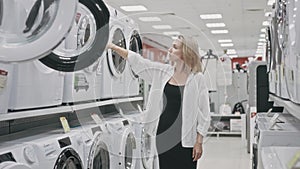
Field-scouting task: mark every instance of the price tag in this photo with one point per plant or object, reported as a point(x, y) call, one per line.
point(65, 124)
point(96, 118)
point(3, 79)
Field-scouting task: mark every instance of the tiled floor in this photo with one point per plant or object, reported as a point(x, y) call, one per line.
point(225, 153)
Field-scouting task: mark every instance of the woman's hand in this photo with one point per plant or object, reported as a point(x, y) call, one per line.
point(109, 45)
point(197, 151)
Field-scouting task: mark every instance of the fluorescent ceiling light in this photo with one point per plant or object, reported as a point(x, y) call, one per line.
point(134, 8)
point(262, 40)
point(231, 51)
point(219, 31)
point(150, 19)
point(233, 56)
point(211, 16)
point(262, 35)
point(226, 44)
point(260, 43)
point(224, 40)
point(174, 37)
point(215, 25)
point(265, 23)
point(268, 14)
point(263, 30)
point(271, 2)
point(162, 27)
point(171, 33)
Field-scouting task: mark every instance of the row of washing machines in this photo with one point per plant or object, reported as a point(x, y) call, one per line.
point(118, 142)
point(36, 83)
point(274, 130)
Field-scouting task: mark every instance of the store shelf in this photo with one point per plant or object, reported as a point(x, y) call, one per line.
point(226, 115)
point(291, 107)
point(63, 109)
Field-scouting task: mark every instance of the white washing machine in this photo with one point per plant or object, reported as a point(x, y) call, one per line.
point(34, 85)
point(5, 86)
point(283, 118)
point(113, 65)
point(275, 137)
point(123, 143)
point(86, 41)
point(134, 43)
point(30, 29)
point(280, 157)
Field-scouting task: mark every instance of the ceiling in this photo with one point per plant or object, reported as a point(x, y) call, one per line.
point(243, 19)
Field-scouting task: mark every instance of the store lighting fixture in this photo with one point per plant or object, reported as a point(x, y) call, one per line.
point(224, 40)
point(211, 16)
point(134, 8)
point(226, 44)
point(262, 35)
point(265, 23)
point(260, 43)
point(219, 31)
point(231, 51)
point(233, 56)
point(268, 14)
point(161, 27)
point(261, 40)
point(271, 2)
point(172, 33)
point(149, 19)
point(263, 30)
point(215, 25)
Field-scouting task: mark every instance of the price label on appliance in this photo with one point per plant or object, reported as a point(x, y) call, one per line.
point(96, 118)
point(3, 79)
point(65, 124)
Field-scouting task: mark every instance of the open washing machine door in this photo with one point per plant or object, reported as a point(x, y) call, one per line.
point(68, 159)
point(86, 41)
point(31, 29)
point(115, 61)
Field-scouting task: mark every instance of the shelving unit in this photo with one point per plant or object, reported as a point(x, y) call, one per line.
point(291, 107)
point(63, 109)
point(227, 118)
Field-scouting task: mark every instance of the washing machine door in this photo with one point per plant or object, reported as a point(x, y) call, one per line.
point(30, 29)
point(68, 159)
point(148, 150)
point(99, 155)
point(136, 45)
point(130, 146)
point(86, 41)
point(115, 61)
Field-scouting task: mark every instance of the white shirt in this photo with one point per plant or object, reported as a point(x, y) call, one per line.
point(195, 104)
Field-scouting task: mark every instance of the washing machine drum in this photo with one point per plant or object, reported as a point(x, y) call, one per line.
point(31, 29)
point(136, 45)
point(86, 41)
point(68, 159)
point(99, 155)
point(115, 61)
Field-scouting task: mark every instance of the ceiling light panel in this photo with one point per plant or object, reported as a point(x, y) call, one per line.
point(219, 31)
point(211, 16)
point(171, 33)
point(226, 44)
point(162, 27)
point(215, 25)
point(231, 51)
point(271, 2)
point(265, 23)
point(134, 8)
point(150, 19)
point(224, 40)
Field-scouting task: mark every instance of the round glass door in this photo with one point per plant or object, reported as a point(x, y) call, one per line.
point(86, 41)
point(115, 61)
point(68, 159)
point(147, 150)
point(30, 29)
point(99, 155)
point(136, 45)
point(129, 147)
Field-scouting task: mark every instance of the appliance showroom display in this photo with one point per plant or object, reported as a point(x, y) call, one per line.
point(282, 118)
point(5, 86)
point(30, 29)
point(34, 85)
point(113, 65)
point(97, 146)
point(269, 135)
point(134, 43)
point(86, 41)
point(123, 143)
point(280, 157)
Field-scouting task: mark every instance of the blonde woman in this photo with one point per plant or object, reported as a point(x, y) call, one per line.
point(177, 111)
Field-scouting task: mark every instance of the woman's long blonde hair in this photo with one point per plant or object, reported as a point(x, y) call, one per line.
point(190, 51)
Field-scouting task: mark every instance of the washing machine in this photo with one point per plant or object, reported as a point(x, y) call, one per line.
point(134, 43)
point(86, 41)
point(30, 29)
point(123, 142)
point(113, 65)
point(5, 86)
point(34, 85)
point(283, 118)
point(275, 137)
point(280, 157)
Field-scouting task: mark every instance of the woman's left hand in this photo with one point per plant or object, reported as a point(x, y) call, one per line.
point(197, 151)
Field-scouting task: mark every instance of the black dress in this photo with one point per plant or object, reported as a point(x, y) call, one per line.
point(168, 140)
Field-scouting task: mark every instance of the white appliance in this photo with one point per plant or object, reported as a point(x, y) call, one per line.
point(30, 29)
point(134, 43)
point(34, 85)
point(280, 157)
point(5, 86)
point(113, 65)
point(123, 143)
point(276, 137)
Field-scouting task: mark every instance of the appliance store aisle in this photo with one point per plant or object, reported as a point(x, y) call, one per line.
point(225, 153)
